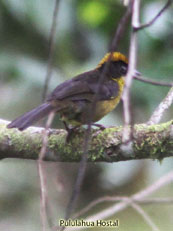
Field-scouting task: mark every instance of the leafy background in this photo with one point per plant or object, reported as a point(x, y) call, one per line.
point(85, 29)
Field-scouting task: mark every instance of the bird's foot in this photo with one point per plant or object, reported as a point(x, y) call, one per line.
point(102, 127)
point(70, 132)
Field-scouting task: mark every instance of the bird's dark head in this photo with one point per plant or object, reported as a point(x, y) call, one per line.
point(117, 65)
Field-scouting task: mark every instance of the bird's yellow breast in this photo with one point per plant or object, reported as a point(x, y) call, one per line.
point(106, 106)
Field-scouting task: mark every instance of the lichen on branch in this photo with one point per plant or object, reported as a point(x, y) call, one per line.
point(149, 142)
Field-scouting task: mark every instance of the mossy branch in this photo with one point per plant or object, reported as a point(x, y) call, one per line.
point(149, 142)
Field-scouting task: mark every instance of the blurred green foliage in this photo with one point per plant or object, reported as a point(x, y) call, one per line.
point(85, 29)
point(86, 11)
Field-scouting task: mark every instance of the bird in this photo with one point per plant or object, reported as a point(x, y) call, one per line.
point(73, 99)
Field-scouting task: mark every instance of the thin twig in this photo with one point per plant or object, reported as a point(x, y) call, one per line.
point(166, 84)
point(98, 201)
point(45, 135)
point(156, 201)
point(42, 177)
point(169, 2)
point(121, 27)
point(43, 195)
point(43, 199)
point(127, 132)
point(162, 107)
point(132, 203)
point(51, 50)
point(145, 216)
point(132, 64)
point(163, 181)
point(121, 198)
point(80, 175)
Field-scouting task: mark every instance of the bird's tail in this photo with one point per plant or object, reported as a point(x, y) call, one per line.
point(31, 117)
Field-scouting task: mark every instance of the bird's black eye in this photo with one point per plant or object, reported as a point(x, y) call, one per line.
point(123, 69)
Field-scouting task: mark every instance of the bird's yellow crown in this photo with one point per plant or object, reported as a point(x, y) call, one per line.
point(113, 56)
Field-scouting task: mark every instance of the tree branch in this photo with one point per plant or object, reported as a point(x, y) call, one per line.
point(151, 142)
point(161, 108)
point(117, 207)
